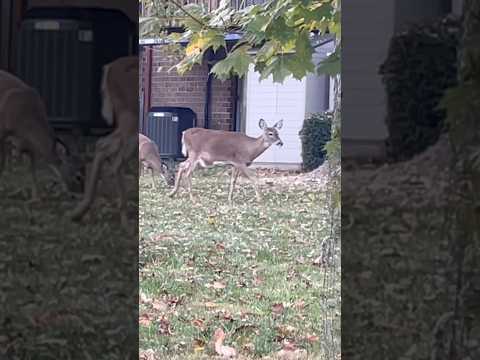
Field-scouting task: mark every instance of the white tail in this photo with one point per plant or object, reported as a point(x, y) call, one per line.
point(207, 148)
point(107, 106)
point(120, 108)
point(184, 148)
point(23, 120)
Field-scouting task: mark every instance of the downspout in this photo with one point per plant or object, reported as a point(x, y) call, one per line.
point(233, 124)
point(148, 90)
point(208, 96)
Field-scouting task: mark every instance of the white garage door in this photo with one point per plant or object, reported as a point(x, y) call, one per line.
point(273, 102)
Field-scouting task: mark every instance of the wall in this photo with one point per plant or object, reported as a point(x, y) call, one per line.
point(272, 102)
point(189, 90)
point(408, 12)
point(366, 36)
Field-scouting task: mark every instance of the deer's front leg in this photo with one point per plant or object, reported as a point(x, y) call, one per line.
point(33, 173)
point(247, 173)
point(91, 185)
point(181, 169)
point(118, 175)
point(188, 178)
point(2, 154)
point(154, 186)
point(233, 180)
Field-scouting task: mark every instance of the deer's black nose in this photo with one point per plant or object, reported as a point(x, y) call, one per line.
point(280, 143)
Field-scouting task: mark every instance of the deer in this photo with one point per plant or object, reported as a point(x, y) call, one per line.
point(149, 156)
point(24, 125)
point(119, 93)
point(207, 148)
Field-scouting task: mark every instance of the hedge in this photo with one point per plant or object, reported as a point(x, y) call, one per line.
point(315, 133)
point(421, 64)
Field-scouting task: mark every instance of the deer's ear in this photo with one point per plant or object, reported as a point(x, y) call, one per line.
point(262, 124)
point(61, 150)
point(278, 125)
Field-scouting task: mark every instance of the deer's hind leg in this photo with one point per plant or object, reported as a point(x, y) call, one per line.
point(233, 180)
point(182, 168)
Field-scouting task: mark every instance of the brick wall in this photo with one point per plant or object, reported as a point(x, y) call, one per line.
point(189, 90)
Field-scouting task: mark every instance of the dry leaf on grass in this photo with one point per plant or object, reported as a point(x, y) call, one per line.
point(159, 305)
point(145, 320)
point(199, 324)
point(312, 338)
point(226, 352)
point(147, 354)
point(278, 308)
point(291, 352)
point(219, 285)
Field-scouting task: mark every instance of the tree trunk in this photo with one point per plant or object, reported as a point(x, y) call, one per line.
point(465, 135)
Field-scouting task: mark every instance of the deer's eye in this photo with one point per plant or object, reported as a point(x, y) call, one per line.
point(270, 134)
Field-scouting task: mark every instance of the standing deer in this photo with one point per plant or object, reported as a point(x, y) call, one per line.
point(119, 90)
point(207, 148)
point(149, 156)
point(24, 124)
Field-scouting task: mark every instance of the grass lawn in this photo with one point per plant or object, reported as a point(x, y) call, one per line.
point(251, 269)
point(67, 290)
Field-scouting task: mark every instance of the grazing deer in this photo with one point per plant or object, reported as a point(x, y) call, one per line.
point(207, 148)
point(149, 156)
point(119, 89)
point(24, 124)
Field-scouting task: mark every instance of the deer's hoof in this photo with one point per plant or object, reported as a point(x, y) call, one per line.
point(75, 215)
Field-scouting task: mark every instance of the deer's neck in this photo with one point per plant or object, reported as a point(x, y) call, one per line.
point(259, 148)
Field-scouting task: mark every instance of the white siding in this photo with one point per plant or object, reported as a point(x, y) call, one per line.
point(365, 46)
point(273, 102)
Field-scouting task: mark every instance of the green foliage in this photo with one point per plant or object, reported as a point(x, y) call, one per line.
point(421, 65)
point(277, 35)
point(315, 134)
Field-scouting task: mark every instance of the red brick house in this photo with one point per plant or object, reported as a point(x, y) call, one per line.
point(212, 100)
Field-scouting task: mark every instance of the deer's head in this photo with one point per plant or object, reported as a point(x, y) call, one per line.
point(72, 168)
point(270, 134)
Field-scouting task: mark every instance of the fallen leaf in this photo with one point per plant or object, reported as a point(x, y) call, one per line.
point(159, 305)
point(311, 338)
point(164, 327)
point(299, 305)
point(278, 308)
point(210, 305)
point(298, 354)
point(318, 261)
point(288, 346)
point(145, 320)
point(198, 345)
point(226, 352)
point(219, 285)
point(258, 281)
point(144, 299)
point(285, 330)
point(199, 324)
point(147, 355)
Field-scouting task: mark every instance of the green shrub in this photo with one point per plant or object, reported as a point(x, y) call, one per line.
point(421, 64)
point(315, 133)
